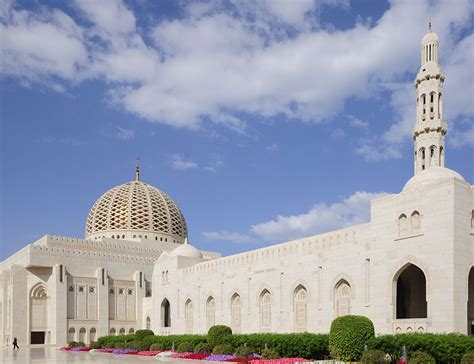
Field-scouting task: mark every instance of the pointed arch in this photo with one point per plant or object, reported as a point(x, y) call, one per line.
point(410, 292)
point(92, 334)
point(300, 299)
point(402, 225)
point(71, 334)
point(165, 313)
point(148, 323)
point(342, 298)
point(265, 305)
point(211, 312)
point(188, 316)
point(82, 335)
point(38, 313)
point(415, 222)
point(236, 313)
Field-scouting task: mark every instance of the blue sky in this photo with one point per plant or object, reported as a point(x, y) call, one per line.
point(265, 121)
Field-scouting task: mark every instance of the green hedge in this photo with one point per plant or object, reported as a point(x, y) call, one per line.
point(305, 345)
point(348, 336)
point(443, 347)
point(167, 341)
point(218, 335)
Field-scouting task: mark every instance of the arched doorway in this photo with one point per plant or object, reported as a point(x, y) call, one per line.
point(470, 302)
point(188, 316)
point(265, 311)
point(38, 313)
point(300, 297)
point(411, 293)
point(236, 315)
point(92, 335)
point(165, 313)
point(342, 298)
point(211, 312)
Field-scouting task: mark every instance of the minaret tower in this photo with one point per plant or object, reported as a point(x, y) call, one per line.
point(430, 128)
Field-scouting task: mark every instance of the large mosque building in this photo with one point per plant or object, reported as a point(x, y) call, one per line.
point(410, 269)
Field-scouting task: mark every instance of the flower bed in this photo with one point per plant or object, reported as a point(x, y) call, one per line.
point(220, 357)
point(66, 348)
point(187, 355)
point(80, 348)
point(279, 361)
point(125, 351)
point(103, 350)
point(148, 353)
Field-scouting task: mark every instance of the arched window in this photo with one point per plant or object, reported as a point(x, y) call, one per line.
point(165, 313)
point(415, 222)
point(411, 293)
point(342, 298)
point(440, 106)
point(236, 314)
point(211, 312)
point(265, 311)
point(300, 297)
point(131, 331)
point(112, 331)
point(433, 156)
point(188, 316)
point(432, 97)
point(423, 100)
point(92, 335)
point(122, 331)
point(441, 156)
point(71, 334)
point(402, 225)
point(423, 158)
point(82, 335)
point(148, 323)
point(470, 302)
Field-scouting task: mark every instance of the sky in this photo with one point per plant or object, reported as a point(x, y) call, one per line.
point(265, 121)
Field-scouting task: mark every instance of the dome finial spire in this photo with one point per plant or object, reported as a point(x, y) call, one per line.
point(137, 170)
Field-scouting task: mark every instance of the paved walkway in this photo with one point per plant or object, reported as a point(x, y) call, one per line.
point(51, 355)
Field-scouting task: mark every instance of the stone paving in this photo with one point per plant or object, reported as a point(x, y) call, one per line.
point(51, 355)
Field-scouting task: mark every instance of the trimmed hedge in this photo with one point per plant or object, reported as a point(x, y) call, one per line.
point(185, 347)
point(141, 334)
point(348, 336)
point(223, 349)
point(468, 358)
point(419, 357)
point(373, 357)
point(304, 345)
point(202, 348)
point(218, 335)
point(167, 341)
point(443, 347)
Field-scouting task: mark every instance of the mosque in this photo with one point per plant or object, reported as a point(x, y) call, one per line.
point(410, 269)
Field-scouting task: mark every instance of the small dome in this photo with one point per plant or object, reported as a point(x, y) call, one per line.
point(432, 174)
point(430, 37)
point(136, 207)
point(187, 250)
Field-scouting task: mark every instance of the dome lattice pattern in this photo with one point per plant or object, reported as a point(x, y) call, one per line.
point(136, 206)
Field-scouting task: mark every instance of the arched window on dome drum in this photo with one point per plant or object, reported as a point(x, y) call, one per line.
point(342, 298)
point(265, 311)
point(188, 316)
point(236, 313)
point(402, 225)
point(415, 222)
point(210, 312)
point(165, 313)
point(300, 304)
point(411, 293)
point(148, 323)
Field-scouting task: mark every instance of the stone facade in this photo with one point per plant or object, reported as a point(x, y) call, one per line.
point(408, 269)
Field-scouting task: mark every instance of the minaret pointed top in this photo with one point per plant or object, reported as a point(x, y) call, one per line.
point(137, 170)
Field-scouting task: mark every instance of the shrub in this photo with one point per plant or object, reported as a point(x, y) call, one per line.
point(72, 344)
point(138, 345)
point(202, 348)
point(443, 347)
point(270, 354)
point(185, 347)
point(468, 358)
point(141, 334)
point(219, 334)
point(93, 345)
point(167, 341)
point(348, 336)
point(244, 351)
point(80, 343)
point(302, 345)
point(110, 345)
point(223, 349)
point(157, 347)
point(120, 345)
point(373, 357)
point(419, 357)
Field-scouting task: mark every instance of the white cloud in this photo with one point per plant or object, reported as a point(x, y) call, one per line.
point(222, 66)
point(374, 150)
point(228, 236)
point(319, 219)
point(355, 122)
point(272, 147)
point(125, 134)
point(214, 166)
point(179, 163)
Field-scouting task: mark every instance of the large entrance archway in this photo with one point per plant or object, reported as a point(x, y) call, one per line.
point(165, 313)
point(38, 314)
point(411, 293)
point(470, 302)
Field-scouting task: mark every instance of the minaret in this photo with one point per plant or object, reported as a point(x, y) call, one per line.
point(430, 128)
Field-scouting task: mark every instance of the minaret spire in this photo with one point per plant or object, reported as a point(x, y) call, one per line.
point(137, 170)
point(430, 128)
